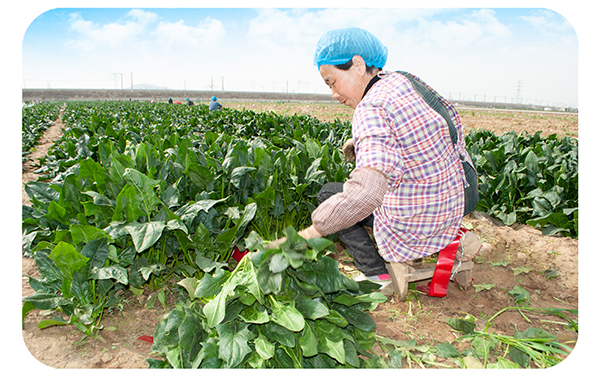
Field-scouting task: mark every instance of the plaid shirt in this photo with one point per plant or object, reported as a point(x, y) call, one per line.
point(396, 132)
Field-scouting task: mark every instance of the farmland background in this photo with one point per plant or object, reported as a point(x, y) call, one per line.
point(507, 248)
point(199, 96)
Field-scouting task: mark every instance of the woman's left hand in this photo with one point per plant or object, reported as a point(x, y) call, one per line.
point(307, 233)
point(310, 232)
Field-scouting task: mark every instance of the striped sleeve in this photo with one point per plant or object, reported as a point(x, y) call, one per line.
point(363, 193)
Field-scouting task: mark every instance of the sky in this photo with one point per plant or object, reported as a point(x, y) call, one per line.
point(526, 55)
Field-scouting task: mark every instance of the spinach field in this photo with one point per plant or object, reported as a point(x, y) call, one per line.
point(139, 201)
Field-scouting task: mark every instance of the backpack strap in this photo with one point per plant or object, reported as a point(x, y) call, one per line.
point(434, 102)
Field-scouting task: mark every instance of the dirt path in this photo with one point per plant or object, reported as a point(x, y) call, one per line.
point(547, 267)
point(51, 134)
point(66, 347)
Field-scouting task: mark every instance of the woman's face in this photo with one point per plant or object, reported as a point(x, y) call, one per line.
point(347, 86)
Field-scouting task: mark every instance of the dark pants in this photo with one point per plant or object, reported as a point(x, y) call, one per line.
point(357, 239)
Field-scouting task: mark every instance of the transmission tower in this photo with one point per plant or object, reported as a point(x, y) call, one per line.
point(116, 75)
point(519, 91)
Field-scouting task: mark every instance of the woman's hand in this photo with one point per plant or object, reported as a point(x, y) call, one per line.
point(275, 243)
point(310, 232)
point(348, 150)
point(307, 233)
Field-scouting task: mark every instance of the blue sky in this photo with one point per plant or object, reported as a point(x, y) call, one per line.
point(515, 54)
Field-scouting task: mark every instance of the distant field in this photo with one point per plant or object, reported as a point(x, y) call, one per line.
point(161, 95)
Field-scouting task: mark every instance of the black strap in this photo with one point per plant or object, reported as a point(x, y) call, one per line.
point(433, 101)
point(371, 83)
point(472, 187)
point(430, 98)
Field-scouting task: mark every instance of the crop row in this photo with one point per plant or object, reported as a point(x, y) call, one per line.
point(35, 121)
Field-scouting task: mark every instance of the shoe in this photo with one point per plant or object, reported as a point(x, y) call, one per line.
point(384, 280)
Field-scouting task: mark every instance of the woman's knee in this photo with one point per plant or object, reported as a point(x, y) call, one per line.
point(328, 190)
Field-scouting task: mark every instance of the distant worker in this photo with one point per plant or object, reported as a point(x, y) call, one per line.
point(214, 105)
point(170, 100)
point(189, 102)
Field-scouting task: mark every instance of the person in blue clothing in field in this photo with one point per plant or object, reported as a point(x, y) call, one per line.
point(214, 105)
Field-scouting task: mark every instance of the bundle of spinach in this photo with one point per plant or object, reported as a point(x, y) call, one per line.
point(279, 308)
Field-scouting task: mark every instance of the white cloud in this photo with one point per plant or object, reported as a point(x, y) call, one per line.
point(92, 35)
point(548, 23)
point(282, 31)
point(143, 17)
point(480, 28)
point(303, 28)
point(415, 40)
point(286, 39)
point(489, 24)
point(209, 33)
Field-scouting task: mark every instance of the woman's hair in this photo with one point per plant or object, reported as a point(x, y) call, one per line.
point(370, 69)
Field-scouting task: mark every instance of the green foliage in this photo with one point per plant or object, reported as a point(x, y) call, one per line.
point(134, 194)
point(164, 185)
point(528, 179)
point(532, 346)
point(279, 308)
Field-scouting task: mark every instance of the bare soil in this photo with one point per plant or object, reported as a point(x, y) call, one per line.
point(552, 279)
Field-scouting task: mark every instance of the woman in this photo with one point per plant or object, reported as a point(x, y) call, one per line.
point(408, 180)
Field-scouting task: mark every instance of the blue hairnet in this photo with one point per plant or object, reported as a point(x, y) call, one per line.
point(214, 98)
point(339, 46)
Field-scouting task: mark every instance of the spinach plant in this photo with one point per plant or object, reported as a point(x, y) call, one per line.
point(528, 179)
point(279, 308)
